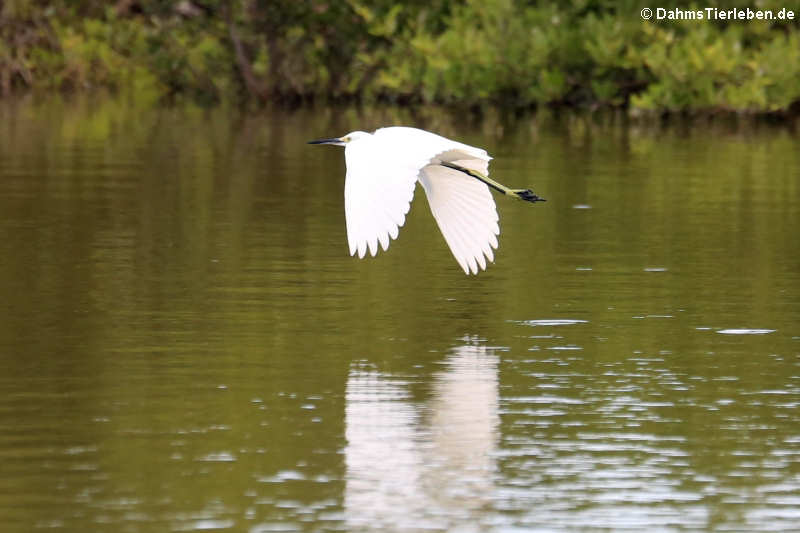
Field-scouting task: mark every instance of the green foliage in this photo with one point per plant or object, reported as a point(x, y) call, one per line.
point(507, 52)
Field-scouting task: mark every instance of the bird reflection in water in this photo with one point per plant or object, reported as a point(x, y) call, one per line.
point(415, 464)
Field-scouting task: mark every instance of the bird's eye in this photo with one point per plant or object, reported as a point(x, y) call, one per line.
point(346, 139)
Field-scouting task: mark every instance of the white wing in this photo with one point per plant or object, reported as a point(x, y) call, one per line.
point(465, 211)
point(382, 170)
point(377, 195)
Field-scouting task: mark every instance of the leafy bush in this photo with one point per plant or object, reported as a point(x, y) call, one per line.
point(507, 52)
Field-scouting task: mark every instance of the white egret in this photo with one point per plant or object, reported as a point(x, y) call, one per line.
point(382, 170)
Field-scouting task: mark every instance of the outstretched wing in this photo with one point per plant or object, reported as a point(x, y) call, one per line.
point(465, 212)
point(378, 191)
point(382, 170)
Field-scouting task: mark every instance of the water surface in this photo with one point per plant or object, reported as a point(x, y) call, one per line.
point(185, 343)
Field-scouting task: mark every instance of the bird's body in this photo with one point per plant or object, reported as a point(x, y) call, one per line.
point(382, 170)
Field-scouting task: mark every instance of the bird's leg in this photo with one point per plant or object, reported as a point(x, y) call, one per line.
point(521, 194)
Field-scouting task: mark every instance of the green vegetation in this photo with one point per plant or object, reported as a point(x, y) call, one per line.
point(586, 53)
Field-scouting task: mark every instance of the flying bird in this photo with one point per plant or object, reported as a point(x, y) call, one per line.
point(382, 170)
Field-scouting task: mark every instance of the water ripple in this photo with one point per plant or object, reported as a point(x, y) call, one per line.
point(553, 322)
point(745, 331)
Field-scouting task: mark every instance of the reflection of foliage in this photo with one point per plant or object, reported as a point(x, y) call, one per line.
point(589, 52)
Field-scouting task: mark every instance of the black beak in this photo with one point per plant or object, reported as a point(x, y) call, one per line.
point(325, 141)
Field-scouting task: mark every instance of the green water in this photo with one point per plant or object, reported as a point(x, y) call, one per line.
point(185, 343)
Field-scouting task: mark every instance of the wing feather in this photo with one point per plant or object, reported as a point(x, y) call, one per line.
point(377, 196)
point(466, 214)
point(458, 240)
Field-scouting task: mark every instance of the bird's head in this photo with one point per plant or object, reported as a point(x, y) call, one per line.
point(342, 141)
